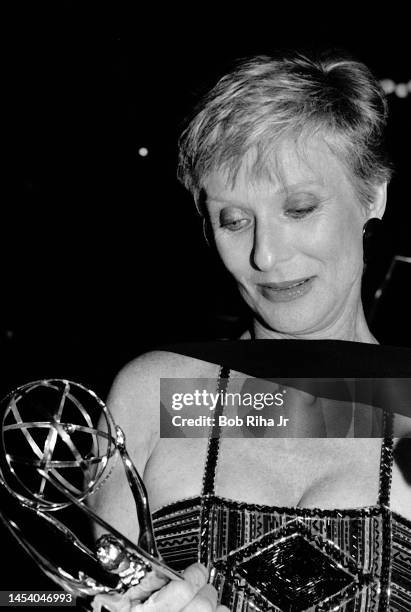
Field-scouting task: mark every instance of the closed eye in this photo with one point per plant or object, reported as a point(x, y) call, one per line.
point(298, 213)
point(234, 225)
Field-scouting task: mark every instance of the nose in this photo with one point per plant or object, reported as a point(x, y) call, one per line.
point(271, 246)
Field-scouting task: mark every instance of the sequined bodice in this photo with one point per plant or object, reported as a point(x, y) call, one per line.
point(280, 559)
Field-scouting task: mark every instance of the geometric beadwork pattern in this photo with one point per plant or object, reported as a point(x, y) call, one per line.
point(177, 534)
point(292, 570)
point(279, 559)
point(401, 564)
point(233, 525)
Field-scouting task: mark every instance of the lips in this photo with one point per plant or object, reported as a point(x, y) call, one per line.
point(286, 284)
point(286, 291)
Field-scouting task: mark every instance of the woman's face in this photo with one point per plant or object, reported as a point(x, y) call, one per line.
point(293, 243)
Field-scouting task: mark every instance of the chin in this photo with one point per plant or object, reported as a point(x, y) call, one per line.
point(293, 318)
point(291, 324)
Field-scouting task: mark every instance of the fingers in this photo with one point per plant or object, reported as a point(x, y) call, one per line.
point(176, 595)
point(196, 575)
point(128, 600)
point(204, 601)
point(192, 594)
point(150, 583)
point(113, 602)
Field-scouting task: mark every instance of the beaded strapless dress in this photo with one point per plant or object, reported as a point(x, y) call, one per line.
point(280, 559)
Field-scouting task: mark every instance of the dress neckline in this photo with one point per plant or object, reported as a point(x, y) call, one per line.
point(210, 468)
point(213, 451)
point(169, 507)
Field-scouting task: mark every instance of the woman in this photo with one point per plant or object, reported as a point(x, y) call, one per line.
point(285, 160)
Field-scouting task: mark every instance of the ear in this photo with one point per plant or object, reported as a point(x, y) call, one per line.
point(377, 207)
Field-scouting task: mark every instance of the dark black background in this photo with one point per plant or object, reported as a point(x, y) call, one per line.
point(102, 252)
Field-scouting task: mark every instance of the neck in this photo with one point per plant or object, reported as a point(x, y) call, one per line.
point(350, 328)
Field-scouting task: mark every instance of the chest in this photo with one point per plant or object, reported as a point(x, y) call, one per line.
point(327, 473)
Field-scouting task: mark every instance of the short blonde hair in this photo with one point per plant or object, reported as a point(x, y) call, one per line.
point(265, 99)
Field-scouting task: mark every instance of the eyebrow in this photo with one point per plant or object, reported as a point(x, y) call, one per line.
point(288, 189)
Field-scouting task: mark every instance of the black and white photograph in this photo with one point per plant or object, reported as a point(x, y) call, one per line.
point(205, 324)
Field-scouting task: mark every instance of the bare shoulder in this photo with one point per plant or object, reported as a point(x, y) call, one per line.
point(135, 394)
point(134, 402)
point(140, 378)
point(156, 364)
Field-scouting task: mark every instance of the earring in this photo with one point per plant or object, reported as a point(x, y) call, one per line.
point(370, 225)
point(371, 234)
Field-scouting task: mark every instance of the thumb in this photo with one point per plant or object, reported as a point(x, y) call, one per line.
point(196, 575)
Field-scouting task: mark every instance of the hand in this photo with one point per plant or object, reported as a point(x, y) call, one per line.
point(192, 594)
